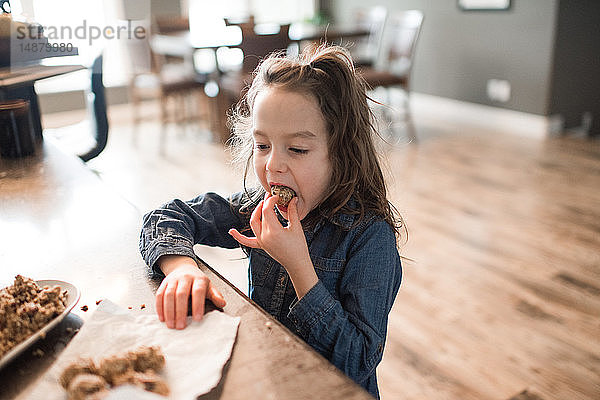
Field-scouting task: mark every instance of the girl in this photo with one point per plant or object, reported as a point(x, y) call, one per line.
point(326, 265)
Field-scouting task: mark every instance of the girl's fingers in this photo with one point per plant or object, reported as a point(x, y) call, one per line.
point(256, 218)
point(244, 240)
point(293, 218)
point(216, 296)
point(199, 289)
point(160, 293)
point(169, 304)
point(182, 294)
point(268, 214)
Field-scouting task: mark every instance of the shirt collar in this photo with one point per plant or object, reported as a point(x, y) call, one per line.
point(343, 219)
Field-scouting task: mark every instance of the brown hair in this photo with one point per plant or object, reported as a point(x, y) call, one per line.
point(327, 74)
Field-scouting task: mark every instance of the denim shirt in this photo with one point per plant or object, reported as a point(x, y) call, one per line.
point(343, 317)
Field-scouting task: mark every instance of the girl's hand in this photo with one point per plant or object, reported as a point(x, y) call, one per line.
point(183, 278)
point(287, 245)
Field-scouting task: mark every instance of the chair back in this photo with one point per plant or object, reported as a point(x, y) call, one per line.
point(96, 104)
point(372, 20)
point(142, 60)
point(169, 24)
point(403, 29)
point(256, 46)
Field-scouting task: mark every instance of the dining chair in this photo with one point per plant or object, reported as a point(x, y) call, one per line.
point(255, 46)
point(365, 51)
point(87, 138)
point(97, 110)
point(175, 85)
point(400, 40)
point(170, 24)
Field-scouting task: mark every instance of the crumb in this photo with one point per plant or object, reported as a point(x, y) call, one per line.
point(98, 302)
point(38, 353)
point(142, 306)
point(84, 308)
point(268, 324)
point(69, 330)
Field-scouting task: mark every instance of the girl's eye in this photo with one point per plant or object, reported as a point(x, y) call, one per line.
point(261, 147)
point(298, 151)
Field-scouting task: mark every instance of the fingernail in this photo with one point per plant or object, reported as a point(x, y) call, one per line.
point(180, 324)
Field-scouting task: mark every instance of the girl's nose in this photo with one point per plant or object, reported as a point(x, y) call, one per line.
point(276, 162)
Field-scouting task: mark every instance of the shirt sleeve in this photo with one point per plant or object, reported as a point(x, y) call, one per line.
point(350, 329)
point(177, 226)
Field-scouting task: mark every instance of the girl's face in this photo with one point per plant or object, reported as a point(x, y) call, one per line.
point(290, 146)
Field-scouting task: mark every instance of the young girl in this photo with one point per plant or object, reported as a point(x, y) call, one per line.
point(326, 265)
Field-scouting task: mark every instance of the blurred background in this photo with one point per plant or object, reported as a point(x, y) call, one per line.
point(489, 115)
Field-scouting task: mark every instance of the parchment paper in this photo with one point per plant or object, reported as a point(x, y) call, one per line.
point(195, 356)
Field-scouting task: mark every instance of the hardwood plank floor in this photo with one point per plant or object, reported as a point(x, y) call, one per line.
point(503, 293)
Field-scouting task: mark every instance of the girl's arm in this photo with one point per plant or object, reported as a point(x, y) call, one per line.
point(287, 244)
point(350, 330)
point(166, 243)
point(174, 228)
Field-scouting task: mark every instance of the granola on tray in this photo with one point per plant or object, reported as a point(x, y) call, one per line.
point(25, 308)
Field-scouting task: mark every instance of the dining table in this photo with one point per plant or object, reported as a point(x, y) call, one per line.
point(185, 43)
point(59, 220)
point(17, 81)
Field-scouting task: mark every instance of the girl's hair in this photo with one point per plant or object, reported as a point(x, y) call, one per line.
point(327, 74)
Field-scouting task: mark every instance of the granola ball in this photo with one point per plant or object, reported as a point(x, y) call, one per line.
point(151, 382)
point(110, 368)
point(126, 378)
point(84, 385)
point(81, 366)
point(147, 357)
point(139, 367)
point(99, 395)
point(285, 194)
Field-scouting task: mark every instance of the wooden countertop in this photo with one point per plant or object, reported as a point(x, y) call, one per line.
point(24, 75)
point(60, 221)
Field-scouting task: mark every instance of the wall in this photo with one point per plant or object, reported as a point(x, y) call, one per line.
point(575, 78)
point(165, 7)
point(458, 51)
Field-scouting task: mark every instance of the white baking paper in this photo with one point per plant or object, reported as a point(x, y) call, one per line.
point(195, 356)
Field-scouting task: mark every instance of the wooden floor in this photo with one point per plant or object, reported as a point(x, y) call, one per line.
point(503, 294)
